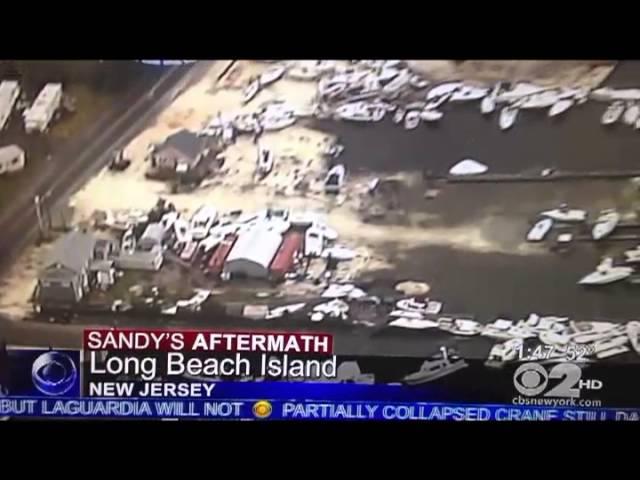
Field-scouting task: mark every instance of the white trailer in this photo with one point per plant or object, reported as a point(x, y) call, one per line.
point(9, 93)
point(39, 116)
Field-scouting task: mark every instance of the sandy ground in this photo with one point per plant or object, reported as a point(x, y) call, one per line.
point(552, 73)
point(296, 148)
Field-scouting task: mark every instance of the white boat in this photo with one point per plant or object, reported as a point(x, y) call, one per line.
point(400, 81)
point(278, 312)
point(504, 352)
point(609, 94)
point(360, 112)
point(431, 115)
point(338, 252)
point(398, 115)
point(604, 346)
point(488, 103)
point(202, 221)
point(540, 230)
point(412, 120)
point(611, 352)
point(605, 224)
point(520, 91)
point(334, 180)
point(561, 106)
point(606, 273)
point(271, 75)
point(550, 337)
point(417, 82)
point(467, 93)
point(613, 113)
point(498, 329)
point(443, 89)
point(277, 123)
point(265, 162)
point(636, 126)
point(437, 102)
point(251, 90)
point(460, 326)
point(564, 214)
point(633, 332)
point(412, 323)
point(633, 255)
point(631, 114)
point(328, 88)
point(543, 99)
point(508, 116)
point(387, 74)
point(521, 331)
point(468, 166)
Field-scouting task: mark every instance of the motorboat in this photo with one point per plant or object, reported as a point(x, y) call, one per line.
point(398, 115)
point(611, 94)
point(565, 214)
point(338, 253)
point(412, 305)
point(540, 230)
point(277, 122)
point(520, 91)
point(334, 179)
point(251, 91)
point(508, 116)
point(417, 82)
point(278, 312)
point(331, 89)
point(544, 99)
point(606, 273)
point(442, 90)
point(561, 106)
point(633, 332)
point(610, 352)
point(272, 74)
point(433, 307)
point(502, 353)
point(613, 113)
point(468, 166)
point(631, 114)
point(431, 115)
point(412, 323)
point(437, 102)
point(520, 331)
point(413, 314)
point(460, 326)
point(605, 224)
point(488, 103)
point(550, 337)
point(412, 120)
point(610, 347)
point(468, 93)
point(336, 308)
point(265, 162)
point(386, 74)
point(433, 369)
point(633, 255)
point(498, 329)
point(361, 112)
point(203, 219)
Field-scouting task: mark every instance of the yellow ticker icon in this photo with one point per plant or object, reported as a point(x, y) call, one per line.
point(262, 409)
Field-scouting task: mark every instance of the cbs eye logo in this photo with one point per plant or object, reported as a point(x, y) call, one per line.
point(262, 409)
point(54, 373)
point(530, 379)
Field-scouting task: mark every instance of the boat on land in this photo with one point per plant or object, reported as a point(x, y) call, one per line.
point(605, 224)
point(251, 90)
point(265, 162)
point(540, 230)
point(272, 75)
point(565, 214)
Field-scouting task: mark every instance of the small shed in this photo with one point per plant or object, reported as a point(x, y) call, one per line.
point(253, 253)
point(12, 159)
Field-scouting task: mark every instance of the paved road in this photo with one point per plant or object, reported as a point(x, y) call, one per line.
point(84, 157)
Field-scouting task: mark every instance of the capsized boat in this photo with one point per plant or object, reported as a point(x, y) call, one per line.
point(508, 116)
point(605, 224)
point(431, 115)
point(565, 214)
point(468, 166)
point(251, 90)
point(613, 113)
point(561, 106)
point(540, 230)
point(631, 114)
point(412, 120)
point(432, 369)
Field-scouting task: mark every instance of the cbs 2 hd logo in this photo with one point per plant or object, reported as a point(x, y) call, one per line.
point(531, 379)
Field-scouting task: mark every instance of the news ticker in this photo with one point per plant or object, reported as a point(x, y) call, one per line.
point(296, 410)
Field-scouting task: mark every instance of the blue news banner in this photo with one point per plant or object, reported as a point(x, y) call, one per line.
point(46, 383)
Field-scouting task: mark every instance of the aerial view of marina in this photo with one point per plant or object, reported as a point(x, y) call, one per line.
point(467, 209)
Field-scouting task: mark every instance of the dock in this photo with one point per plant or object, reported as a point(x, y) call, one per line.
point(556, 176)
